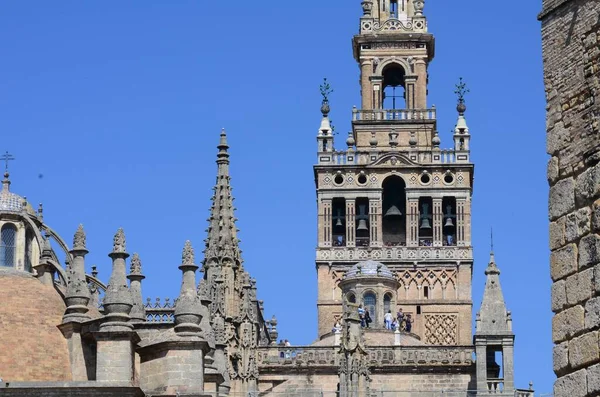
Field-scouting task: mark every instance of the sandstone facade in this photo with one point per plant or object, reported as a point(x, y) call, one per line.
point(571, 53)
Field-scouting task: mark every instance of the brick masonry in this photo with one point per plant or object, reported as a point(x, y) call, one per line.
point(31, 346)
point(571, 54)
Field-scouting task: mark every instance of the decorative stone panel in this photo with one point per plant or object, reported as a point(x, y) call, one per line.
point(441, 329)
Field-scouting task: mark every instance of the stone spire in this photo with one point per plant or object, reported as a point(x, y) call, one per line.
point(188, 309)
point(117, 298)
point(77, 295)
point(138, 312)
point(222, 242)
point(493, 318)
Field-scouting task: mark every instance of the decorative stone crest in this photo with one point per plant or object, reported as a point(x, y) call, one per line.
point(136, 264)
point(79, 238)
point(119, 242)
point(419, 5)
point(187, 258)
point(367, 6)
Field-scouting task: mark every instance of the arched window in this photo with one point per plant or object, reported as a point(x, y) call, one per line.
point(28, 251)
point(394, 87)
point(394, 211)
point(8, 243)
point(393, 11)
point(351, 298)
point(387, 303)
point(370, 302)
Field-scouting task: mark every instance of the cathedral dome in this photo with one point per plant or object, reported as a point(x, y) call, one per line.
point(369, 269)
point(33, 348)
point(10, 201)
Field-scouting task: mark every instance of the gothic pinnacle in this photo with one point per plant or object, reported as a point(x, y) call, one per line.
point(138, 312)
point(77, 295)
point(117, 298)
point(188, 309)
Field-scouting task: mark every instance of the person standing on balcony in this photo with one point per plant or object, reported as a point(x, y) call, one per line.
point(387, 319)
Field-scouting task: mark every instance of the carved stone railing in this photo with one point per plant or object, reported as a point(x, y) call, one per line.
point(495, 385)
point(319, 356)
point(394, 253)
point(341, 157)
point(160, 312)
point(394, 114)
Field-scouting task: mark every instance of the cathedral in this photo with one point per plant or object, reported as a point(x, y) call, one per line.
point(394, 267)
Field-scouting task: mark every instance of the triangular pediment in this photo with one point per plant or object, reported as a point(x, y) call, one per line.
point(393, 159)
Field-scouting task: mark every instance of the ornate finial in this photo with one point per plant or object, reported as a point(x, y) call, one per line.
point(418, 6)
point(350, 141)
point(393, 138)
point(436, 139)
point(6, 157)
point(94, 271)
point(491, 239)
point(40, 211)
point(136, 264)
point(367, 6)
point(79, 238)
point(326, 90)
point(461, 91)
point(119, 242)
point(187, 258)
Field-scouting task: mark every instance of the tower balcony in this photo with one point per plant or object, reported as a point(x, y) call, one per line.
point(399, 115)
point(395, 254)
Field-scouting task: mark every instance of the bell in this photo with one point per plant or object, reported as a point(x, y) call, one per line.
point(393, 211)
point(339, 222)
point(425, 224)
point(362, 225)
point(449, 223)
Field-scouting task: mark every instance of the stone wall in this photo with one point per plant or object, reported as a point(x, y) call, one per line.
point(571, 52)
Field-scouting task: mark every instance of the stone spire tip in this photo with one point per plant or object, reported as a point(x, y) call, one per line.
point(187, 258)
point(136, 264)
point(79, 238)
point(119, 242)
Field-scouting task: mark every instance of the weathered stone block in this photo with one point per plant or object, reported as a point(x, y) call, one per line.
point(592, 313)
point(561, 358)
point(578, 224)
point(593, 379)
point(567, 323)
point(552, 173)
point(597, 279)
point(584, 350)
point(587, 185)
point(579, 286)
point(596, 216)
point(562, 198)
point(589, 251)
point(563, 262)
point(572, 385)
point(559, 295)
point(557, 233)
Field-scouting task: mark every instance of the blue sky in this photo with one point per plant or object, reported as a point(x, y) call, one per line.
point(118, 107)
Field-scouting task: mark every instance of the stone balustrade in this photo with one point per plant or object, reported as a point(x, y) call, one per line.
point(394, 114)
point(323, 356)
point(361, 157)
point(394, 253)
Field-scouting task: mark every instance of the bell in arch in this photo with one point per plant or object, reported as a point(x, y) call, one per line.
point(449, 216)
point(393, 211)
point(339, 222)
point(362, 225)
point(339, 218)
point(425, 224)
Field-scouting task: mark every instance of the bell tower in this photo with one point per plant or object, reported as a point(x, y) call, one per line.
point(394, 196)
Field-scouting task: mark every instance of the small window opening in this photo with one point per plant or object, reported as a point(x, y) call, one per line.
point(324, 145)
point(8, 237)
point(370, 302)
point(394, 9)
point(494, 368)
point(351, 298)
point(387, 303)
point(418, 309)
point(426, 292)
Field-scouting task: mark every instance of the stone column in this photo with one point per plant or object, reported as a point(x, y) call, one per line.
point(410, 83)
point(481, 366)
point(376, 222)
point(114, 341)
point(138, 311)
point(508, 365)
point(412, 222)
point(324, 231)
point(460, 222)
point(366, 68)
point(421, 83)
point(438, 224)
point(77, 298)
point(350, 222)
